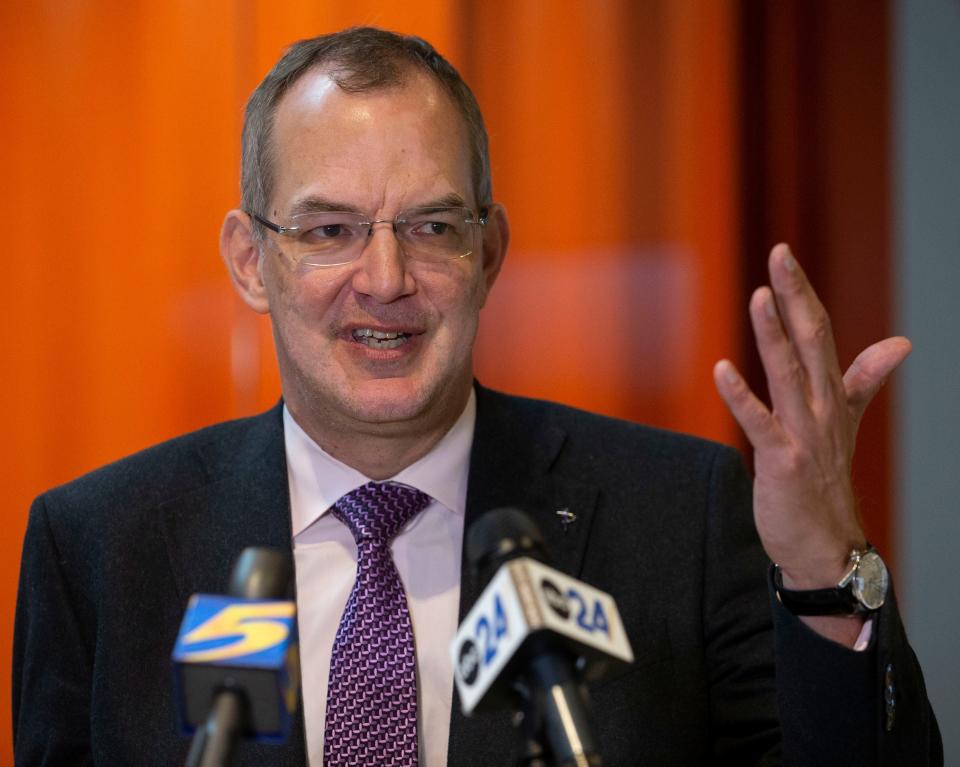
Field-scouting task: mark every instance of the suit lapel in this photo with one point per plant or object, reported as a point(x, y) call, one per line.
point(516, 450)
point(246, 502)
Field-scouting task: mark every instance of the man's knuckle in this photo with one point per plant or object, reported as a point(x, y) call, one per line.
point(821, 328)
point(760, 418)
point(791, 373)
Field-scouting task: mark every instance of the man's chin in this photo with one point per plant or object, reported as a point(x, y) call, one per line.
point(386, 401)
point(384, 412)
point(401, 401)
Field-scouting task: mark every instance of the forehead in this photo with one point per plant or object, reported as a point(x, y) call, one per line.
point(372, 147)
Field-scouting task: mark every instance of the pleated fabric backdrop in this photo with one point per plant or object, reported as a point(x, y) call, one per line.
point(619, 148)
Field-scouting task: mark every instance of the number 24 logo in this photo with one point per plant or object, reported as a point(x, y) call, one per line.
point(489, 634)
point(595, 622)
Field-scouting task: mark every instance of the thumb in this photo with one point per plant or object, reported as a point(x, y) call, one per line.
point(870, 369)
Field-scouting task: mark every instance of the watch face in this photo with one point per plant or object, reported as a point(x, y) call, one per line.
point(870, 581)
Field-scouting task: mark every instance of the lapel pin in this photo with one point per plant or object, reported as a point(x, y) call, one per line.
point(567, 518)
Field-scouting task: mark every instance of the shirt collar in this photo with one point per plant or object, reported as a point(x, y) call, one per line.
point(317, 479)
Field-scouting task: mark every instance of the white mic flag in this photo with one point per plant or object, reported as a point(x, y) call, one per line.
point(523, 601)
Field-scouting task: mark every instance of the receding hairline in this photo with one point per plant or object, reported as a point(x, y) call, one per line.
point(408, 74)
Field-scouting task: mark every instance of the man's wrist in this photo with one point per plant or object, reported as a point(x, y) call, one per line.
point(860, 589)
point(824, 570)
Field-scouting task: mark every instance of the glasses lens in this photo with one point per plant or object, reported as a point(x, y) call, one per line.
point(436, 234)
point(328, 238)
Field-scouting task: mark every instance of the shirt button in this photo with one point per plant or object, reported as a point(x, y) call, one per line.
point(889, 697)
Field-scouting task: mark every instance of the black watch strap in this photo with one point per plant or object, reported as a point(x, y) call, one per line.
point(833, 601)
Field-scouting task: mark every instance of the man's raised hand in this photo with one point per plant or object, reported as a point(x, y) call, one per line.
point(804, 505)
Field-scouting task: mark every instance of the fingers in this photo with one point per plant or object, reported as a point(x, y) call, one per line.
point(754, 418)
point(870, 369)
point(805, 322)
point(799, 356)
point(786, 377)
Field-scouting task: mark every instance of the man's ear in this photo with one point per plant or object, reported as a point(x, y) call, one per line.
point(241, 253)
point(496, 238)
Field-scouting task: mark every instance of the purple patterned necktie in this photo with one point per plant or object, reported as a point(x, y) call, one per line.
point(372, 691)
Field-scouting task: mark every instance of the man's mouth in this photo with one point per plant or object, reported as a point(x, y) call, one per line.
point(380, 339)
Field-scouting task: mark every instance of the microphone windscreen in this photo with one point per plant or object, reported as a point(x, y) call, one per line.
point(262, 573)
point(499, 536)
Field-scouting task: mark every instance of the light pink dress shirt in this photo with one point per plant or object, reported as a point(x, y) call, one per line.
point(427, 555)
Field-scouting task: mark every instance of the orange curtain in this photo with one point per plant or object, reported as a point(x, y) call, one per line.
point(614, 131)
point(615, 143)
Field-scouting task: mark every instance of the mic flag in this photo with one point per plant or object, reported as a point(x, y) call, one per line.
point(242, 644)
point(524, 602)
point(245, 644)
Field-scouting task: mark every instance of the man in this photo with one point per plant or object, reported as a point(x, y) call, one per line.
point(369, 233)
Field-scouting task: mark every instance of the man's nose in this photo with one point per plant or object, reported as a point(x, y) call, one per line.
point(383, 273)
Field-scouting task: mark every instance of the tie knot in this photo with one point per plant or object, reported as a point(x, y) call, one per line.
point(377, 511)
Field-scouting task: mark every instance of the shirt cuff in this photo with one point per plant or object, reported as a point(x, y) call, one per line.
point(863, 641)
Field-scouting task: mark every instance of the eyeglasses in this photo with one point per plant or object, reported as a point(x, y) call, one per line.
point(335, 237)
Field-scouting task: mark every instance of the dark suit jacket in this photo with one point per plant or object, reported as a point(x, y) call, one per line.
point(662, 522)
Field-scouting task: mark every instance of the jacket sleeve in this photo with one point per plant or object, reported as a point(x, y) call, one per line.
point(839, 706)
point(52, 666)
point(835, 706)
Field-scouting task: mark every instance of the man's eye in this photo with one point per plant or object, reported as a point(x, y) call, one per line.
point(433, 228)
point(327, 233)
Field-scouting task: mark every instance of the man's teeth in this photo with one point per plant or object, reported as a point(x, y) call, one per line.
point(379, 339)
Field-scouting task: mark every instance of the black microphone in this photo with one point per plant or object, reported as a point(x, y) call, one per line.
point(532, 638)
point(236, 663)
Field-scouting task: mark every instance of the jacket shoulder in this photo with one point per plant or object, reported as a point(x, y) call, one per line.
point(163, 471)
point(595, 437)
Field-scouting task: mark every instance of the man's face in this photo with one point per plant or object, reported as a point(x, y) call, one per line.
point(378, 153)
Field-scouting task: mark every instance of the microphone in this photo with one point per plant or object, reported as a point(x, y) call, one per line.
point(533, 637)
point(236, 659)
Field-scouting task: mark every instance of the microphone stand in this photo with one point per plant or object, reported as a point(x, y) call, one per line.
point(530, 721)
point(213, 743)
point(555, 719)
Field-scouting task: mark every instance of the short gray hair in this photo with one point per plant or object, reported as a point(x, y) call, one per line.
point(358, 59)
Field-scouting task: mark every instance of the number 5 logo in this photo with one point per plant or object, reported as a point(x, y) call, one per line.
point(255, 627)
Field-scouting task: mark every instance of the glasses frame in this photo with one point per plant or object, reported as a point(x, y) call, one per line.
point(293, 231)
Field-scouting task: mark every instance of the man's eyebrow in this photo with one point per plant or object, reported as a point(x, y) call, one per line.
point(317, 204)
point(451, 200)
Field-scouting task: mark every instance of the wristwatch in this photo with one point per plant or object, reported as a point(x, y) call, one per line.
point(862, 589)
